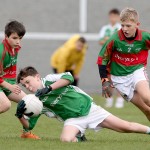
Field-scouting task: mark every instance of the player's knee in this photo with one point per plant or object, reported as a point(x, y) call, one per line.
point(5, 106)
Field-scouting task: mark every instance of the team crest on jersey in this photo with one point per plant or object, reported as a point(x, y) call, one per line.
point(119, 49)
point(138, 49)
point(130, 45)
point(44, 99)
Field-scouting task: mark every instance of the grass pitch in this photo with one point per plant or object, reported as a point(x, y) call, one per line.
point(49, 130)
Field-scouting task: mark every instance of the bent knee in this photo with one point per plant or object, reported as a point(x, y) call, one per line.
point(5, 106)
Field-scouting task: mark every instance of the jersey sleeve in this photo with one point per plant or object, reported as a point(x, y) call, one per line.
point(32, 122)
point(1, 63)
point(105, 53)
point(56, 77)
point(147, 41)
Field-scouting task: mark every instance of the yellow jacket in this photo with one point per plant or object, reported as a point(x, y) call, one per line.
point(67, 57)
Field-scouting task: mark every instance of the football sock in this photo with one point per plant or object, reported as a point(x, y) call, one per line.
point(148, 130)
point(109, 102)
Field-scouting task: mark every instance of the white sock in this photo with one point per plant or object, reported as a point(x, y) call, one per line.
point(109, 102)
point(148, 130)
point(119, 102)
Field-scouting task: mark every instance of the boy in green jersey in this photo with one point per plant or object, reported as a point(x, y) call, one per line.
point(69, 104)
point(124, 56)
point(9, 49)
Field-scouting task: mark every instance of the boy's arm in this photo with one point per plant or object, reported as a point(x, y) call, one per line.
point(56, 77)
point(13, 88)
point(103, 40)
point(59, 80)
point(103, 60)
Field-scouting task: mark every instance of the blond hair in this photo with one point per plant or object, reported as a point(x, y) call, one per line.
point(129, 14)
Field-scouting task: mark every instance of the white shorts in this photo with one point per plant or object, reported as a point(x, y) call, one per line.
point(96, 115)
point(126, 84)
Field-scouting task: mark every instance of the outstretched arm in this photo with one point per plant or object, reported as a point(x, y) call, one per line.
point(60, 83)
point(55, 81)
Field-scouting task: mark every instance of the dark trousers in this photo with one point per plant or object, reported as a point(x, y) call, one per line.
point(75, 83)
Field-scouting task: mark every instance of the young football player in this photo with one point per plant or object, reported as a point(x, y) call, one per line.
point(69, 104)
point(9, 48)
point(125, 55)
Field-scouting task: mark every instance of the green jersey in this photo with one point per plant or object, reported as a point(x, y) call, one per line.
point(66, 102)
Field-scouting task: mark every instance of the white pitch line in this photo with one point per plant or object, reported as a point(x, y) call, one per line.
point(55, 36)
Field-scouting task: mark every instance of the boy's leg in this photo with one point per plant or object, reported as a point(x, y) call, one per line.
point(69, 134)
point(119, 100)
point(5, 103)
point(138, 102)
point(109, 102)
point(114, 123)
point(142, 88)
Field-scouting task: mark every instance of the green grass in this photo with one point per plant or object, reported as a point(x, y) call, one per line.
point(49, 130)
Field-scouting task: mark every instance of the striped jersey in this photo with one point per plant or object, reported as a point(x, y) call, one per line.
point(9, 63)
point(123, 57)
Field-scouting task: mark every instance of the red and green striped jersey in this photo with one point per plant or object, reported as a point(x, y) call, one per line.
point(9, 63)
point(123, 57)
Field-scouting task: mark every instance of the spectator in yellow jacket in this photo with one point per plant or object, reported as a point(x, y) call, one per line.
point(70, 57)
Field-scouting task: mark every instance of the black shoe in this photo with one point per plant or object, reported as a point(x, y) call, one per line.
point(81, 138)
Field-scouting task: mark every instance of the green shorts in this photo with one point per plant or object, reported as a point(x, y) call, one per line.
point(6, 91)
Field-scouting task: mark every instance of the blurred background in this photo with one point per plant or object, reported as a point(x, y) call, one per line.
point(49, 23)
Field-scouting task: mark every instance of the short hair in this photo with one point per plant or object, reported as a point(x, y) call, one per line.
point(129, 14)
point(82, 40)
point(15, 27)
point(114, 11)
point(25, 72)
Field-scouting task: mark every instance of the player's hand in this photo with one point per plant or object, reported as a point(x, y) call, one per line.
point(106, 38)
point(43, 91)
point(15, 89)
point(20, 109)
point(107, 89)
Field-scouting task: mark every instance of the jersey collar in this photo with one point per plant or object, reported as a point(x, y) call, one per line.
point(9, 48)
point(137, 38)
point(43, 82)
